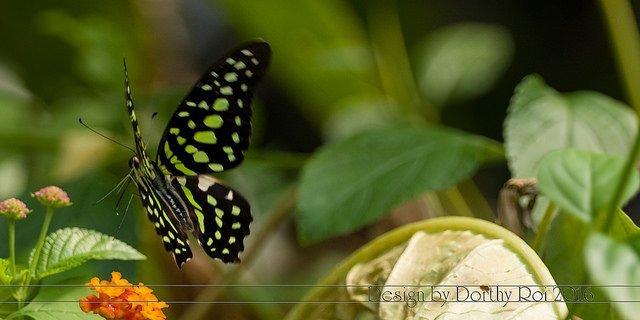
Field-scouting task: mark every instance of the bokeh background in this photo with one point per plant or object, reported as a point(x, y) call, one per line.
point(339, 67)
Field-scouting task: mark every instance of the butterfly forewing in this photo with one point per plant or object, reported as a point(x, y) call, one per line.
point(210, 130)
point(221, 216)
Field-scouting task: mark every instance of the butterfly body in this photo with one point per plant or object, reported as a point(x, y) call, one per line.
point(208, 133)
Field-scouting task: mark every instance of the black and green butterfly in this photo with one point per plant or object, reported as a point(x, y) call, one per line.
point(208, 133)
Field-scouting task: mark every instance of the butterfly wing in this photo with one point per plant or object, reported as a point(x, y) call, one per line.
point(221, 216)
point(210, 130)
point(174, 239)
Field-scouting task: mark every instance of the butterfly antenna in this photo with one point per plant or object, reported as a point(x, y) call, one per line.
point(104, 136)
point(124, 190)
point(117, 187)
point(124, 215)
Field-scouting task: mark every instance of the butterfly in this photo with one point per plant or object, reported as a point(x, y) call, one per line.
point(208, 133)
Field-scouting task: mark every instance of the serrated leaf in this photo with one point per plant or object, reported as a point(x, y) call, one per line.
point(67, 248)
point(541, 120)
point(356, 181)
point(462, 61)
point(55, 303)
point(616, 267)
point(583, 183)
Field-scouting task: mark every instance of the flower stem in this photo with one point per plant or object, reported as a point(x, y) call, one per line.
point(11, 226)
point(623, 31)
point(40, 243)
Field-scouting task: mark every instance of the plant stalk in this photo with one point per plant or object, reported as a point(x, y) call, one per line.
point(43, 234)
point(543, 228)
point(11, 232)
point(623, 30)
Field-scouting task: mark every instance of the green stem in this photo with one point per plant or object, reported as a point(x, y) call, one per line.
point(623, 31)
point(393, 64)
point(43, 234)
point(456, 203)
point(11, 226)
point(543, 228)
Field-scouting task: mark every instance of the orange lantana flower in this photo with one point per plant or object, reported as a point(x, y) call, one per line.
point(120, 300)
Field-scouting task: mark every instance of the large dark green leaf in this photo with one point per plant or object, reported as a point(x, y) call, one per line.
point(615, 266)
point(583, 183)
point(541, 120)
point(68, 248)
point(356, 181)
point(462, 61)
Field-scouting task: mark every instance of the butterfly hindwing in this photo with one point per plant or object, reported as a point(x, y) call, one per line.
point(221, 216)
point(210, 130)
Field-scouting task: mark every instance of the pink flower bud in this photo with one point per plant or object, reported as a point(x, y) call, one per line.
point(14, 209)
point(52, 196)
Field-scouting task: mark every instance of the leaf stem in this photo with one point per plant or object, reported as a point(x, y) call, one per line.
point(11, 231)
point(43, 234)
point(543, 228)
point(623, 31)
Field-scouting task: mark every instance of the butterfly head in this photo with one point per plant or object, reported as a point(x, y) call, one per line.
point(134, 162)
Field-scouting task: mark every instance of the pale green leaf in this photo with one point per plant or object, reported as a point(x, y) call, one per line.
point(563, 254)
point(541, 120)
point(356, 181)
point(462, 61)
point(56, 303)
point(71, 247)
point(583, 183)
point(615, 266)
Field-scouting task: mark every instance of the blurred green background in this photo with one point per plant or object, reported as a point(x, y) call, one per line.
point(339, 67)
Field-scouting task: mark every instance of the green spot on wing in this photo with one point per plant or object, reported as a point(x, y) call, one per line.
point(207, 137)
point(203, 105)
point(200, 157)
point(180, 167)
point(190, 149)
point(213, 121)
point(216, 167)
point(221, 104)
point(200, 217)
point(189, 195)
point(231, 77)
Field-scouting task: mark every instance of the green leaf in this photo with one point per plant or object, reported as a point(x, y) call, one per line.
point(356, 181)
point(583, 183)
point(68, 248)
point(611, 263)
point(564, 255)
point(54, 303)
point(463, 61)
point(541, 120)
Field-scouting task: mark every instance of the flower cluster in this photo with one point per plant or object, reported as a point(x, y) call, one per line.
point(14, 209)
point(52, 196)
point(120, 300)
